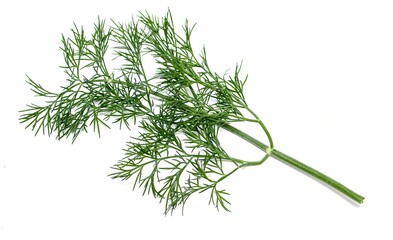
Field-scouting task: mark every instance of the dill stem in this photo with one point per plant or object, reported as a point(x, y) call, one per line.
point(297, 164)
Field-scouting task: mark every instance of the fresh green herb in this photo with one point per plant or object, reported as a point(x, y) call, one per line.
point(179, 109)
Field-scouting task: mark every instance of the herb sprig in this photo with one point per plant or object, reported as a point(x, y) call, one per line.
point(179, 109)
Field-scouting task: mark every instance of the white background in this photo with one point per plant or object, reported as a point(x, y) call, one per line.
point(320, 76)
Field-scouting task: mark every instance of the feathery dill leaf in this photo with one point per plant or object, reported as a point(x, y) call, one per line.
point(179, 109)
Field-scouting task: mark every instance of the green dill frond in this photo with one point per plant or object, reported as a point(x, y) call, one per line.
point(179, 109)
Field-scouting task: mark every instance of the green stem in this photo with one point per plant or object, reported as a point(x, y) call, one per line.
point(296, 164)
point(269, 137)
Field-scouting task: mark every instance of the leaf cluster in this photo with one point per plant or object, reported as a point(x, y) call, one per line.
point(179, 109)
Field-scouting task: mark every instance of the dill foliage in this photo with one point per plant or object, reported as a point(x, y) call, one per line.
point(179, 109)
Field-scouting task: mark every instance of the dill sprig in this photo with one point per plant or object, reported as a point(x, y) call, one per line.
point(179, 109)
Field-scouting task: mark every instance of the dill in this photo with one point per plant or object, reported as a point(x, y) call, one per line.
point(179, 110)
